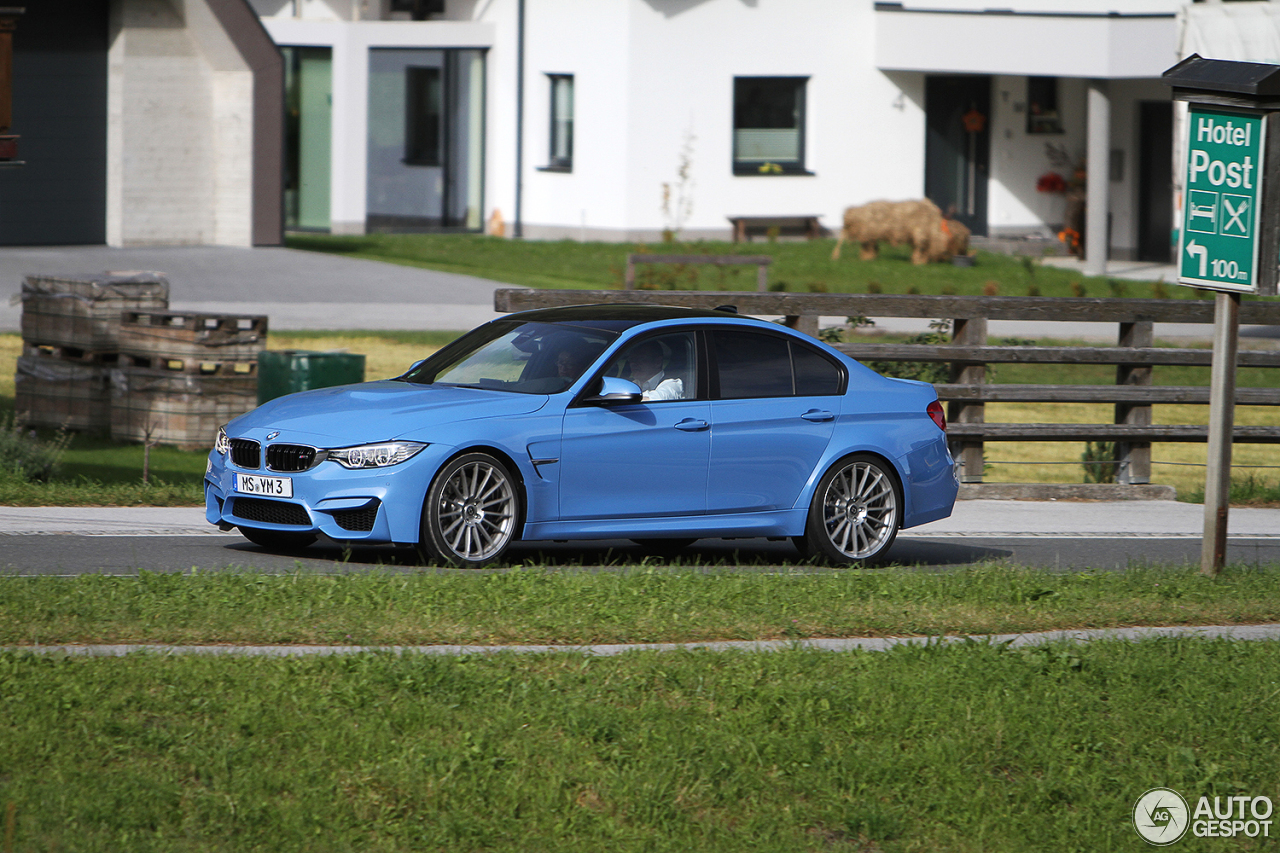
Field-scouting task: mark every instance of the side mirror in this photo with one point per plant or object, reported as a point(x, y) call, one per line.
point(615, 390)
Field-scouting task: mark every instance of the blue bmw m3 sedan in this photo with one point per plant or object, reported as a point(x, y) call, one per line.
point(656, 424)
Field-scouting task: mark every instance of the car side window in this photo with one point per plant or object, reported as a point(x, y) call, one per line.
point(816, 375)
point(752, 365)
point(664, 366)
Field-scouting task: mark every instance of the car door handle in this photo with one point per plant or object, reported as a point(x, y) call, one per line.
point(692, 425)
point(817, 415)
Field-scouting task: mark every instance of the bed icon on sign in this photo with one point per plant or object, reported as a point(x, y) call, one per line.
point(1202, 211)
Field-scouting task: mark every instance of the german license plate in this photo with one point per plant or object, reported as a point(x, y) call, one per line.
point(255, 484)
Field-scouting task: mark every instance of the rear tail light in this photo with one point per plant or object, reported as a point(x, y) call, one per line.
point(938, 415)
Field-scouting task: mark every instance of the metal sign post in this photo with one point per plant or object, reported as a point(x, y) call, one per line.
point(1230, 235)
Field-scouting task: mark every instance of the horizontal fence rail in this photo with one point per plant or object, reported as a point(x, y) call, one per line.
point(1134, 358)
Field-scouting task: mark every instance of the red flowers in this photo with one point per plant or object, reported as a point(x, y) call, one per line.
point(1051, 182)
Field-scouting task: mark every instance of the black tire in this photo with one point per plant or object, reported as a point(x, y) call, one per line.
point(277, 540)
point(663, 547)
point(471, 514)
point(856, 512)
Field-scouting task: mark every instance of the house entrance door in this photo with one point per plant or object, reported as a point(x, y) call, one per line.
point(957, 151)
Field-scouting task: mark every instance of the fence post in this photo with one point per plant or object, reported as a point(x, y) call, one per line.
point(968, 331)
point(1134, 457)
point(630, 281)
point(805, 323)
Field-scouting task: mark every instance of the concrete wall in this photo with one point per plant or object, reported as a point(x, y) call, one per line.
point(179, 128)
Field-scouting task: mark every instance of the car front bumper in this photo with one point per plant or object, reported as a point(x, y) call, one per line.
point(373, 505)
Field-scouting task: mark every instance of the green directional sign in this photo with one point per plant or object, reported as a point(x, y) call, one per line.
point(1221, 204)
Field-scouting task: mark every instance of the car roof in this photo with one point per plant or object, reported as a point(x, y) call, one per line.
point(618, 317)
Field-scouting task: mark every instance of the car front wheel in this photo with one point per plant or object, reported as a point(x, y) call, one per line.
point(471, 512)
point(856, 511)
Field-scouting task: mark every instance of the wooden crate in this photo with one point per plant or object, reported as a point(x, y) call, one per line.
point(165, 336)
point(84, 311)
point(55, 393)
point(179, 409)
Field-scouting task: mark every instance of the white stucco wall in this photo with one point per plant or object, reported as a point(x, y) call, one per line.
point(656, 73)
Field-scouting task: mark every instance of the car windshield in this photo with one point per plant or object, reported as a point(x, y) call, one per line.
point(528, 358)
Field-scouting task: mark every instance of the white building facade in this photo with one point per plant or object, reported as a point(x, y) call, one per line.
point(621, 119)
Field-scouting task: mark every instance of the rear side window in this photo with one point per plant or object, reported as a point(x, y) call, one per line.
point(816, 376)
point(751, 364)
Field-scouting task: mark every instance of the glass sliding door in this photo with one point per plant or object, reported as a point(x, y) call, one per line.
point(308, 129)
point(426, 140)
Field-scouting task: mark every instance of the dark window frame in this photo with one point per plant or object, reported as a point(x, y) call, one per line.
point(741, 109)
point(1043, 113)
point(560, 162)
point(424, 139)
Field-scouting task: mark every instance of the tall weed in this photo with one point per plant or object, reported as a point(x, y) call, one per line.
point(24, 457)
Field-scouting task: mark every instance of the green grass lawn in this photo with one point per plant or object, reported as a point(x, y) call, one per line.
point(641, 604)
point(800, 266)
point(968, 747)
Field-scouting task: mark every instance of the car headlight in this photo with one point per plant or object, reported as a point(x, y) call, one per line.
point(222, 444)
point(381, 455)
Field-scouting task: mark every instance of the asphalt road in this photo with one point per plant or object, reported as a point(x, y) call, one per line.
point(73, 554)
point(1065, 535)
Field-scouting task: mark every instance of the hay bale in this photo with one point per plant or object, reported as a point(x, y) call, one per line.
point(918, 224)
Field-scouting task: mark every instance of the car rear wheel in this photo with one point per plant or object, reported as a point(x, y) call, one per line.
point(471, 512)
point(276, 540)
point(856, 511)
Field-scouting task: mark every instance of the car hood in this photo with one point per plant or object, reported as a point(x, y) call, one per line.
point(376, 411)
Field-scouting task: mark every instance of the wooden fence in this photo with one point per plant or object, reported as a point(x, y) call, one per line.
point(1134, 356)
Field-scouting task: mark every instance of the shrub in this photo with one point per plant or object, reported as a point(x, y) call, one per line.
point(24, 457)
point(1099, 459)
point(933, 372)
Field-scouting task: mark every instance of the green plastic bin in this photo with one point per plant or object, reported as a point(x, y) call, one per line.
point(285, 371)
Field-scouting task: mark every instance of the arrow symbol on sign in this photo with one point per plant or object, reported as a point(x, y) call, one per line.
point(1193, 249)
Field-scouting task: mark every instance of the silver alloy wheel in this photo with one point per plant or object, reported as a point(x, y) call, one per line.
point(476, 510)
point(860, 510)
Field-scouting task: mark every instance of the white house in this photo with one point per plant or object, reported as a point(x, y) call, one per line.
point(608, 119)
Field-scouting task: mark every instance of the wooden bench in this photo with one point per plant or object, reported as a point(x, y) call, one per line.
point(744, 227)
point(760, 262)
point(968, 355)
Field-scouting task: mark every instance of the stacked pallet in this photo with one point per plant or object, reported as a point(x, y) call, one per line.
point(105, 354)
point(182, 375)
point(70, 344)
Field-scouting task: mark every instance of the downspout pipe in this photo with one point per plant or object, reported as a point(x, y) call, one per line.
point(517, 230)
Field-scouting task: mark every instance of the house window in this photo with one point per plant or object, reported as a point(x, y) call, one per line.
point(1042, 105)
point(561, 121)
point(768, 125)
point(423, 102)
